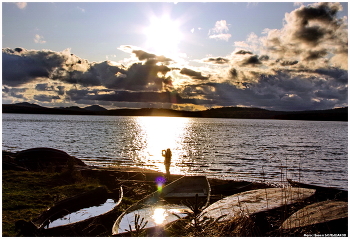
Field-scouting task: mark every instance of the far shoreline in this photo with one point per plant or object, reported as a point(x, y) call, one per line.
point(337, 114)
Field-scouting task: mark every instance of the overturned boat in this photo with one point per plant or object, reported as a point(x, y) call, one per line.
point(71, 216)
point(166, 205)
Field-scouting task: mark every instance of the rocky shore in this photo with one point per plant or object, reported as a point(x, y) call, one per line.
point(65, 172)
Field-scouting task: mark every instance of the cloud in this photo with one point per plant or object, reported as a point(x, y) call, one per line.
point(46, 87)
point(21, 66)
point(21, 5)
point(217, 60)
point(193, 74)
point(46, 98)
point(244, 58)
point(39, 39)
point(143, 55)
point(286, 63)
point(129, 96)
point(243, 52)
point(81, 9)
point(14, 92)
point(311, 33)
point(224, 37)
point(43, 87)
point(219, 31)
point(301, 66)
point(281, 91)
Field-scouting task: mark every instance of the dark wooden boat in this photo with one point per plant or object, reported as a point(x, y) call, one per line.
point(40, 226)
point(304, 185)
point(231, 187)
point(169, 200)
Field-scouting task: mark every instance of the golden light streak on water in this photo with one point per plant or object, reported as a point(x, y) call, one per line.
point(160, 133)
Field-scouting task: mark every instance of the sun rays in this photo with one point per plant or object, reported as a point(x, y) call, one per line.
point(163, 36)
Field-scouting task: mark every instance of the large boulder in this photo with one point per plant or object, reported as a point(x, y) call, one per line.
point(41, 158)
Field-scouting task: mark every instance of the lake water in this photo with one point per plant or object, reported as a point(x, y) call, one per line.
point(83, 214)
point(254, 150)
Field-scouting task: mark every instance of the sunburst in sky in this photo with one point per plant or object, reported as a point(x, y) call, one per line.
point(163, 36)
point(185, 55)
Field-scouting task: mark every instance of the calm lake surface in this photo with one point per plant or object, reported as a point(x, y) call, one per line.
point(240, 149)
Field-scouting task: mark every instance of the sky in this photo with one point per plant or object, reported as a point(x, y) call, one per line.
point(183, 55)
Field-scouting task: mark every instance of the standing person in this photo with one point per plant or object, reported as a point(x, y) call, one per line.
point(167, 155)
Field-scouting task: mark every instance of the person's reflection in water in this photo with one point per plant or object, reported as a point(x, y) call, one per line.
point(167, 155)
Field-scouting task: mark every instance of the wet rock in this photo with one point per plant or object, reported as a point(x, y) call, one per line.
point(37, 159)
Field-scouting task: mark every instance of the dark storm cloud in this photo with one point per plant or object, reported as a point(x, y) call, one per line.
point(97, 74)
point(311, 33)
point(131, 96)
point(337, 74)
point(302, 77)
point(14, 92)
point(193, 74)
point(46, 98)
point(286, 63)
point(323, 13)
point(21, 66)
point(243, 52)
point(252, 60)
point(233, 73)
point(142, 55)
point(264, 58)
point(244, 58)
point(142, 77)
point(43, 87)
point(314, 55)
point(59, 90)
point(280, 92)
point(217, 60)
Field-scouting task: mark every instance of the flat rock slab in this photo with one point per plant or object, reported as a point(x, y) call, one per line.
point(255, 201)
point(317, 213)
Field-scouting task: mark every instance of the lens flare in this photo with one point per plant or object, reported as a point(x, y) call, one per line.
point(160, 181)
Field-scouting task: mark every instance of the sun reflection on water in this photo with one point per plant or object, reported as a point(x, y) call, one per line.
point(159, 216)
point(160, 133)
point(165, 215)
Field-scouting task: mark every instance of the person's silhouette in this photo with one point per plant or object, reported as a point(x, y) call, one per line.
point(167, 155)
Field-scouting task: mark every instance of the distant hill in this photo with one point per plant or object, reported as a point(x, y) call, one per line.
point(71, 108)
point(89, 108)
point(95, 108)
point(339, 114)
point(26, 104)
point(28, 108)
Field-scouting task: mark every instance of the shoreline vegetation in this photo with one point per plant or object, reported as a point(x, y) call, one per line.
point(34, 180)
point(338, 114)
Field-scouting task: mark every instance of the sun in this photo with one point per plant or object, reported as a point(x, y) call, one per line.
point(163, 36)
